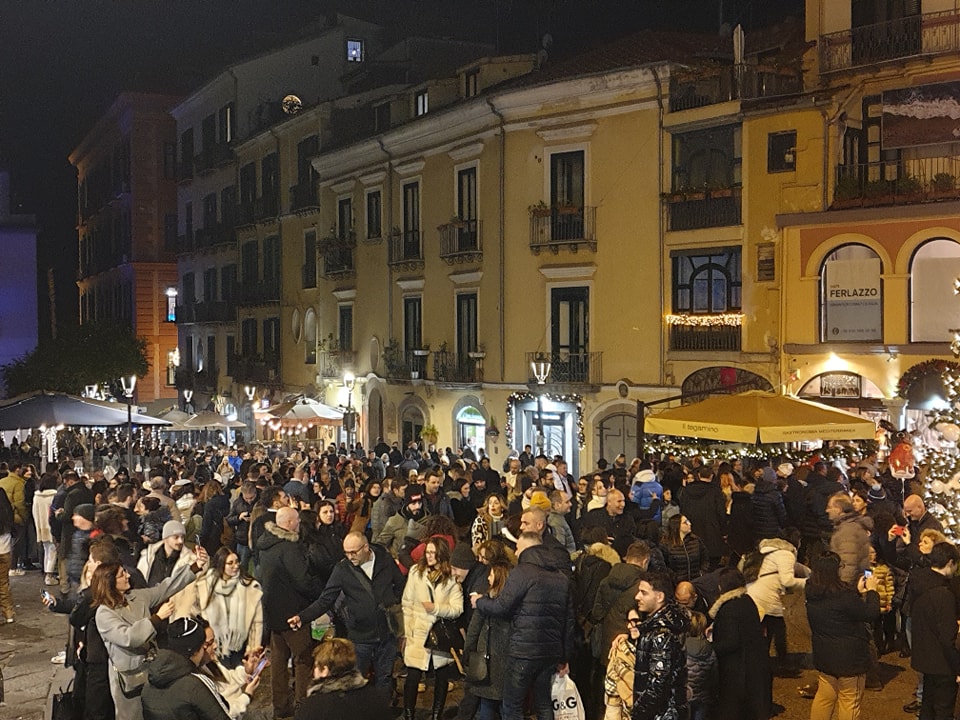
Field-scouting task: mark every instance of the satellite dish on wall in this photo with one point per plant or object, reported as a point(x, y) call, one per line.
point(291, 105)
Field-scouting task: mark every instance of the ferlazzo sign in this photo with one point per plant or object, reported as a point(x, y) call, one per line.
point(853, 310)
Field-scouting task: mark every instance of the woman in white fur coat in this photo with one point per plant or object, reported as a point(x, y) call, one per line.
point(431, 593)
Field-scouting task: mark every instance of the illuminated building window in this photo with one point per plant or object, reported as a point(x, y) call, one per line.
point(354, 50)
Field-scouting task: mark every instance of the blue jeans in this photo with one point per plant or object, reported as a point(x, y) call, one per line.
point(381, 655)
point(489, 709)
point(519, 676)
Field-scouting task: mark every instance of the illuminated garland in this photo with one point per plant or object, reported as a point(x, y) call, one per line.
point(921, 370)
point(711, 451)
point(719, 320)
point(555, 397)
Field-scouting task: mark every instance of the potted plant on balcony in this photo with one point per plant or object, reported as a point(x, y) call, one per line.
point(879, 192)
point(540, 209)
point(429, 434)
point(393, 358)
point(721, 191)
point(908, 189)
point(422, 351)
point(847, 192)
point(943, 185)
point(479, 354)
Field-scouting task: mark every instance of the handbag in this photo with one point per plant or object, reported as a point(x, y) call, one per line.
point(131, 682)
point(64, 706)
point(477, 670)
point(445, 635)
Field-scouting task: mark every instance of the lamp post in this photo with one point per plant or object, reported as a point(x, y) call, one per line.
point(349, 419)
point(541, 367)
point(251, 392)
point(129, 385)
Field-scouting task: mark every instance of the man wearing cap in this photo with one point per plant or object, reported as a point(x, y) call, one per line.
point(84, 529)
point(403, 523)
point(159, 560)
point(77, 494)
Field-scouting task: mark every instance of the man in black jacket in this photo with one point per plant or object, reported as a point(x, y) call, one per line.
point(703, 504)
point(934, 619)
point(537, 600)
point(371, 584)
point(286, 587)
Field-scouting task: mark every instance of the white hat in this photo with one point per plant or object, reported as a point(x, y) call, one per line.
point(785, 470)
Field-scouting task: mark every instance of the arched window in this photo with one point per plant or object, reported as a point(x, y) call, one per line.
point(310, 336)
point(471, 428)
point(411, 423)
point(851, 296)
point(933, 268)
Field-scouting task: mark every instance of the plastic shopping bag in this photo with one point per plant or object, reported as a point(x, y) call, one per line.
point(566, 699)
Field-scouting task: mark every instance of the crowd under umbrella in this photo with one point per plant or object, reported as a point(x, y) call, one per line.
point(52, 411)
point(300, 415)
point(758, 417)
point(208, 420)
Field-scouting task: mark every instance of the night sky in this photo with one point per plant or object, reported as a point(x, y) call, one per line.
point(62, 62)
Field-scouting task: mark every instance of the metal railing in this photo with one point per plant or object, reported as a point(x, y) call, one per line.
point(303, 196)
point(897, 182)
point(338, 261)
point(719, 337)
point(452, 368)
point(692, 210)
point(256, 369)
point(571, 368)
point(461, 240)
point(333, 363)
point(935, 33)
point(266, 207)
point(405, 247)
point(717, 85)
point(556, 227)
point(215, 235)
point(256, 293)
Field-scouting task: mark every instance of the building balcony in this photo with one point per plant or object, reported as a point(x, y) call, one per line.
point(926, 35)
point(559, 227)
point(406, 250)
point(903, 182)
point(245, 214)
point(308, 276)
point(695, 209)
point(256, 370)
point(254, 292)
point(461, 241)
point(266, 208)
point(185, 171)
point(304, 197)
point(203, 380)
point(334, 363)
point(705, 337)
point(215, 236)
point(204, 312)
point(448, 367)
point(338, 262)
point(566, 368)
point(699, 87)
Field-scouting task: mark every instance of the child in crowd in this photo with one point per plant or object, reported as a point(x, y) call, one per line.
point(702, 676)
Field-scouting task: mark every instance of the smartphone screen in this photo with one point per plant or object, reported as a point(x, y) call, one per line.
point(260, 665)
point(47, 596)
point(868, 573)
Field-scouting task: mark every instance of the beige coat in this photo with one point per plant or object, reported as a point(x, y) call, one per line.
point(196, 598)
point(448, 600)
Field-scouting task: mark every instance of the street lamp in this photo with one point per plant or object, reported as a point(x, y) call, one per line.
point(349, 418)
point(251, 392)
point(129, 385)
point(541, 367)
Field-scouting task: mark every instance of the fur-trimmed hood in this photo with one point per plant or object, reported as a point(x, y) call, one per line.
point(604, 552)
point(341, 683)
point(770, 545)
point(279, 532)
point(729, 595)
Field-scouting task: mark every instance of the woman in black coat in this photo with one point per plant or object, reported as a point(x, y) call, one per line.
point(743, 661)
point(683, 552)
point(322, 535)
point(339, 691)
point(840, 620)
point(489, 637)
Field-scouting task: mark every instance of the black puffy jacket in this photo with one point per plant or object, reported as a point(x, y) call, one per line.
point(660, 673)
point(537, 600)
point(704, 506)
point(175, 691)
point(769, 513)
point(838, 626)
point(934, 616)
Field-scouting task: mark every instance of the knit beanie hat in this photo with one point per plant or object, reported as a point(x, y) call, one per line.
point(526, 482)
point(462, 557)
point(413, 493)
point(86, 511)
point(185, 636)
point(785, 470)
point(172, 528)
point(540, 500)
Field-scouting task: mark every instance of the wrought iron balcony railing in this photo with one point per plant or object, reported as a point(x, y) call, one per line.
point(707, 337)
point(567, 368)
point(694, 209)
point(406, 248)
point(304, 197)
point(563, 226)
point(253, 292)
point(698, 87)
point(898, 182)
point(215, 235)
point(929, 34)
point(338, 261)
point(263, 370)
point(334, 363)
point(461, 241)
point(452, 368)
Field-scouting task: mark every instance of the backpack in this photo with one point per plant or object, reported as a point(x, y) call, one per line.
point(6, 513)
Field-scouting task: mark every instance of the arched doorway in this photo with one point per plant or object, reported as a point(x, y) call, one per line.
point(412, 421)
point(617, 433)
point(374, 417)
point(471, 429)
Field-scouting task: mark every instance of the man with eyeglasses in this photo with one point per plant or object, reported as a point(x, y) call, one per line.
point(372, 585)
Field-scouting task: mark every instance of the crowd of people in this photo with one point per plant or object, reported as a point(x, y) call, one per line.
point(362, 577)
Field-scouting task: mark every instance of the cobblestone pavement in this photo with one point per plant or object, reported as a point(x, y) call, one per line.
point(27, 645)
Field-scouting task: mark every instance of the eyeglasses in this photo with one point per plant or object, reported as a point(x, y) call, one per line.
point(633, 622)
point(355, 552)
